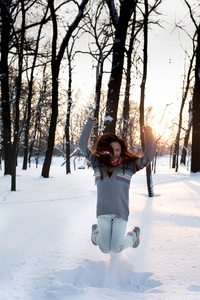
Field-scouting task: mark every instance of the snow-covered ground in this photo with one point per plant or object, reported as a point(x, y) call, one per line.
point(45, 246)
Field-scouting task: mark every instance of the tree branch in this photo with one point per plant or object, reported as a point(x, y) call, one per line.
point(191, 14)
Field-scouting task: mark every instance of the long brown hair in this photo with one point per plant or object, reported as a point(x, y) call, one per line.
point(102, 146)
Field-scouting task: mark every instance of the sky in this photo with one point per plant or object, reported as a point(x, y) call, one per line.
point(166, 57)
point(165, 63)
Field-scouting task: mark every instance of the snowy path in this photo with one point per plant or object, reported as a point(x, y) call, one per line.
point(46, 251)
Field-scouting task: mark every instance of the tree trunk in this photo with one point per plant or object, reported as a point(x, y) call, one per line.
point(175, 155)
point(121, 26)
point(126, 106)
point(99, 76)
point(24, 167)
point(5, 103)
point(67, 134)
point(195, 163)
point(27, 125)
point(187, 135)
point(37, 125)
point(54, 114)
point(149, 179)
point(52, 128)
point(144, 77)
point(142, 97)
point(56, 61)
point(38, 113)
point(38, 149)
point(19, 83)
point(184, 97)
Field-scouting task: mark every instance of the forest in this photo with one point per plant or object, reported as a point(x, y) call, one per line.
point(42, 109)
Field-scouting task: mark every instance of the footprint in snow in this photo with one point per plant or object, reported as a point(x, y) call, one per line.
point(194, 288)
point(117, 274)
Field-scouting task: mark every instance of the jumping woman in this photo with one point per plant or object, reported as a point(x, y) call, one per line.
point(113, 166)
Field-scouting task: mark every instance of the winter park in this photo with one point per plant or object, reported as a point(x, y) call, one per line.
point(46, 250)
point(100, 150)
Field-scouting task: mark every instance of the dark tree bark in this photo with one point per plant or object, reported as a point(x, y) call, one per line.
point(5, 103)
point(103, 53)
point(126, 106)
point(176, 144)
point(67, 126)
point(55, 65)
point(99, 76)
point(143, 84)
point(54, 115)
point(195, 162)
point(121, 26)
point(102, 34)
point(144, 74)
point(195, 159)
point(27, 125)
point(187, 135)
point(142, 97)
point(19, 83)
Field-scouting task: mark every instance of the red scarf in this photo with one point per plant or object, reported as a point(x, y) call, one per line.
point(117, 161)
point(114, 162)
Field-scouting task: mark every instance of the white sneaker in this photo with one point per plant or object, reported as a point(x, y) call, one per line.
point(136, 234)
point(94, 230)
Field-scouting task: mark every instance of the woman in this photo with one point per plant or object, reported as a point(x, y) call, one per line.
point(114, 166)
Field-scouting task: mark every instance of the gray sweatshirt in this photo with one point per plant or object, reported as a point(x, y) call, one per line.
point(113, 192)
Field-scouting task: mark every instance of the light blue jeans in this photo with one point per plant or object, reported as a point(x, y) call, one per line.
point(110, 235)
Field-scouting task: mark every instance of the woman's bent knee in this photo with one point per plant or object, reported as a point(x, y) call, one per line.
point(116, 249)
point(105, 251)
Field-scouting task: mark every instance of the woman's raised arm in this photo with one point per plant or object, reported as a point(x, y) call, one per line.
point(150, 145)
point(84, 138)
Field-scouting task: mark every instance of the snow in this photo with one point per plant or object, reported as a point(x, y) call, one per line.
point(45, 246)
point(108, 118)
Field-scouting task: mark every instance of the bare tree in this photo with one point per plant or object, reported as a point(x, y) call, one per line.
point(184, 97)
point(69, 92)
point(5, 101)
point(41, 116)
point(19, 83)
point(120, 23)
point(27, 124)
point(126, 106)
point(55, 65)
point(130, 59)
point(146, 14)
point(187, 135)
point(99, 26)
point(102, 37)
point(13, 89)
point(195, 160)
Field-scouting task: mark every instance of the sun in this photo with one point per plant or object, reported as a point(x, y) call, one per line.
point(164, 132)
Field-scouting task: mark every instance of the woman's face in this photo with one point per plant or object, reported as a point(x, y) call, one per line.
point(117, 149)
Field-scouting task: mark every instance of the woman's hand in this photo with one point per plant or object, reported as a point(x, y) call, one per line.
point(150, 145)
point(93, 119)
point(146, 129)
